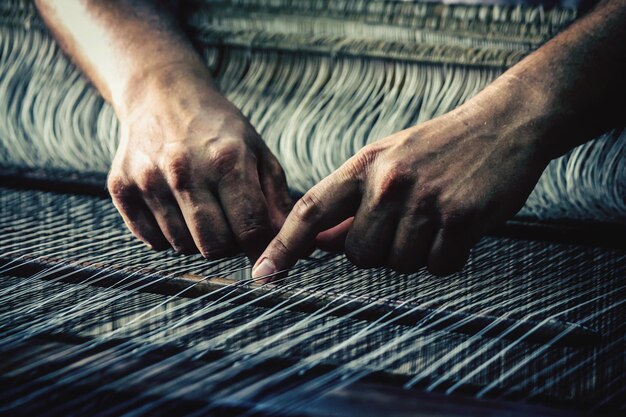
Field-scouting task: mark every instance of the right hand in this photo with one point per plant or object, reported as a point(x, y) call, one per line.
point(191, 172)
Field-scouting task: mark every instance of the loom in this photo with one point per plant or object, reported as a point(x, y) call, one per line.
point(94, 323)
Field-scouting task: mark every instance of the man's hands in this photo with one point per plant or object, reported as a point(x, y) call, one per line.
point(192, 173)
point(423, 196)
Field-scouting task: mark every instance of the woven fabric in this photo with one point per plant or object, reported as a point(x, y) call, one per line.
point(524, 281)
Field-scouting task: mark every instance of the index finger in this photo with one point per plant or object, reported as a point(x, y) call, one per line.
point(334, 199)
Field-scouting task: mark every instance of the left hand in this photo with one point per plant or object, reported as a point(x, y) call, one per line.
point(423, 196)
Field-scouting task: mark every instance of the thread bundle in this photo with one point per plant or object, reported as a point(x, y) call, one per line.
point(318, 79)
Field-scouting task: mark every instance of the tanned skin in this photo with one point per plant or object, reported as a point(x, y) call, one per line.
point(190, 171)
point(193, 173)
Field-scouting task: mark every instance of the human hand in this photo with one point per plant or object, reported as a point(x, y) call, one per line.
point(191, 172)
point(423, 196)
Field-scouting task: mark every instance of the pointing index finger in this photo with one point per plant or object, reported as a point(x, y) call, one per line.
point(325, 205)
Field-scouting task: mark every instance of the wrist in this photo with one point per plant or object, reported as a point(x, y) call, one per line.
point(522, 113)
point(163, 83)
point(175, 103)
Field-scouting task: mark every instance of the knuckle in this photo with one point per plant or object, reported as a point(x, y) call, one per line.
point(118, 187)
point(275, 169)
point(147, 179)
point(392, 184)
point(225, 158)
point(308, 208)
point(280, 245)
point(362, 160)
point(368, 154)
point(216, 252)
point(212, 236)
point(252, 233)
point(178, 171)
point(455, 218)
point(215, 245)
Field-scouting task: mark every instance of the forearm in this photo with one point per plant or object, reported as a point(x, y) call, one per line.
point(573, 87)
point(118, 44)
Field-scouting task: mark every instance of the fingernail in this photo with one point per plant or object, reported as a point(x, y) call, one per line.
point(266, 267)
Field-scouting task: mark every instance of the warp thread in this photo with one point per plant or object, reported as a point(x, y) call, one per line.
point(319, 80)
point(508, 278)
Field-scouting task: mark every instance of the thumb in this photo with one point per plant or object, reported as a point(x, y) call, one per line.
point(325, 205)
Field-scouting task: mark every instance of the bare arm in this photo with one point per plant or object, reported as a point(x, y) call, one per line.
point(190, 170)
point(425, 196)
point(574, 84)
point(119, 43)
